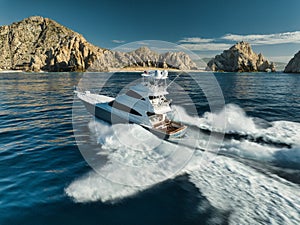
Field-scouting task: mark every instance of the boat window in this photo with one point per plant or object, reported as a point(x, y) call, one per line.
point(150, 114)
point(134, 95)
point(152, 97)
point(124, 108)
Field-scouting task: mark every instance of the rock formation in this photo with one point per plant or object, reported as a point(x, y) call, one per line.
point(143, 57)
point(38, 43)
point(294, 64)
point(240, 58)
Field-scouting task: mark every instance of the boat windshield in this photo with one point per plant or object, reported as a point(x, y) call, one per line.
point(156, 118)
point(133, 94)
point(119, 106)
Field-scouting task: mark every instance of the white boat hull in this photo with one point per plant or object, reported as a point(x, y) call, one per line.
point(104, 112)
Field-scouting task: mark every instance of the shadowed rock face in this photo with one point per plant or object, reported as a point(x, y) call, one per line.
point(294, 64)
point(240, 58)
point(38, 43)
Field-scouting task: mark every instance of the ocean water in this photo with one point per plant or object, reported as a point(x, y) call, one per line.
point(254, 178)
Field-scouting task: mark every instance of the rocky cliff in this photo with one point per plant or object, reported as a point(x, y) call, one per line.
point(240, 58)
point(38, 43)
point(294, 64)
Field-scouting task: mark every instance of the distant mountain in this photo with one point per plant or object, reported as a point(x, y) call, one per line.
point(240, 58)
point(294, 64)
point(143, 57)
point(38, 43)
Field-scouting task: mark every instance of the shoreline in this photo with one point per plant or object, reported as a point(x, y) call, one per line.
point(111, 70)
point(132, 69)
point(142, 69)
point(11, 71)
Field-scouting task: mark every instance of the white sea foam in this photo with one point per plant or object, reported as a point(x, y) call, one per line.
point(284, 131)
point(129, 143)
point(234, 117)
point(248, 149)
point(131, 155)
point(93, 187)
point(181, 115)
point(230, 119)
point(238, 122)
point(251, 196)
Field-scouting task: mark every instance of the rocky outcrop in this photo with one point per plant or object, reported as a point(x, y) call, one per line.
point(143, 57)
point(294, 64)
point(38, 43)
point(240, 58)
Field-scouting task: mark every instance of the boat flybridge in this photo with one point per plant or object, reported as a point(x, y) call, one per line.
point(144, 104)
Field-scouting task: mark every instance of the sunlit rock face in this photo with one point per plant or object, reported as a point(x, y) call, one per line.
point(38, 43)
point(240, 58)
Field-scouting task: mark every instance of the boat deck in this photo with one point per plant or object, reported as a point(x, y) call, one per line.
point(169, 127)
point(94, 98)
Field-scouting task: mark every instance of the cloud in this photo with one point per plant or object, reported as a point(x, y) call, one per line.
point(265, 39)
point(202, 44)
point(206, 46)
point(118, 41)
point(195, 40)
point(142, 43)
point(226, 41)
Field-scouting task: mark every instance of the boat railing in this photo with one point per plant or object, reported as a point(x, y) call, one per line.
point(161, 103)
point(157, 89)
point(155, 80)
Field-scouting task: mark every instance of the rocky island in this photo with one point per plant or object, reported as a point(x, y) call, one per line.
point(240, 58)
point(41, 44)
point(293, 65)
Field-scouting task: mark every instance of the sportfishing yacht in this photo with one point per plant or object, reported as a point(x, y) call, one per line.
point(144, 104)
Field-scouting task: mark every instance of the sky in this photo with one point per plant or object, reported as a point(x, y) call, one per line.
point(206, 27)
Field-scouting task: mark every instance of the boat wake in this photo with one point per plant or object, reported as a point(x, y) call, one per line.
point(229, 180)
point(94, 187)
point(248, 137)
point(232, 186)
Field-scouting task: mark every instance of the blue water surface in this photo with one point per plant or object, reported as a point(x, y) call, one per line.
point(39, 157)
